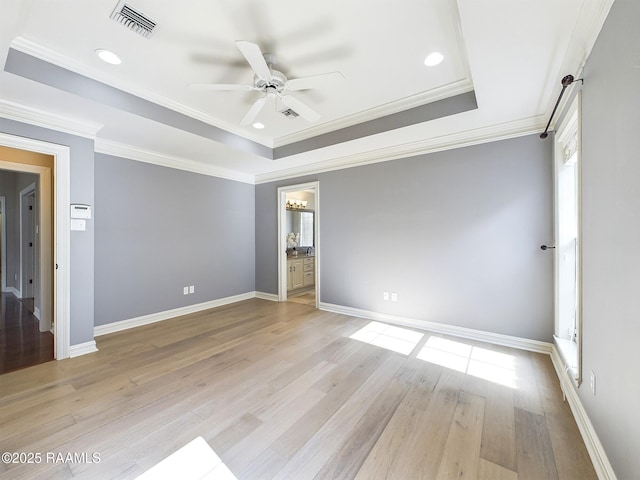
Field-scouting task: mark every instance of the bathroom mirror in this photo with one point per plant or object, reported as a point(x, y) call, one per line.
point(301, 221)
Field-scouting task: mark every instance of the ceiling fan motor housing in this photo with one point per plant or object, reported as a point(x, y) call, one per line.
point(273, 84)
point(278, 79)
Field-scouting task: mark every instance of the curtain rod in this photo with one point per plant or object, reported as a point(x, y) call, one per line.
point(566, 81)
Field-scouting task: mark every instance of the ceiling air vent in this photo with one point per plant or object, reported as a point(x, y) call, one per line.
point(289, 113)
point(133, 20)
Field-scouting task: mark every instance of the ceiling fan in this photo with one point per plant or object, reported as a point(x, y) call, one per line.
point(272, 84)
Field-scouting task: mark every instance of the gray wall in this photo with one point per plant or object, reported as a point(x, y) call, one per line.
point(160, 229)
point(456, 234)
point(81, 274)
point(611, 236)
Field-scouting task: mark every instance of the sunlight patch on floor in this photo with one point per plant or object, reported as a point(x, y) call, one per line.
point(487, 364)
point(196, 460)
point(397, 339)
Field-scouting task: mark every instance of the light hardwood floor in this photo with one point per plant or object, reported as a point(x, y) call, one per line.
point(305, 296)
point(279, 390)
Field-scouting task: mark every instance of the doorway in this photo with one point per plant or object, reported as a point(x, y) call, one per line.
point(568, 324)
point(24, 340)
point(3, 244)
point(298, 243)
point(54, 262)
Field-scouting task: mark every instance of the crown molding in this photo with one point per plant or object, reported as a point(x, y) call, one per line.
point(456, 88)
point(40, 118)
point(590, 21)
point(494, 133)
point(121, 150)
point(41, 52)
point(46, 54)
point(21, 113)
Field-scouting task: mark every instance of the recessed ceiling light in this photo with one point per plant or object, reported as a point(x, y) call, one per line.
point(433, 59)
point(258, 125)
point(108, 56)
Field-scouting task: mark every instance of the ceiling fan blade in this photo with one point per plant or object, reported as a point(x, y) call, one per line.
point(313, 81)
point(230, 87)
point(254, 111)
point(300, 108)
point(254, 56)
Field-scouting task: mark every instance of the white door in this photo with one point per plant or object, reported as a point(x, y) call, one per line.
point(28, 245)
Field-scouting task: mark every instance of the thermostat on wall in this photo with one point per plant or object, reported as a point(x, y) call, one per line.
point(80, 211)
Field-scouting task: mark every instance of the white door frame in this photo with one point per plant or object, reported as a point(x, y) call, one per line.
point(60, 283)
point(282, 234)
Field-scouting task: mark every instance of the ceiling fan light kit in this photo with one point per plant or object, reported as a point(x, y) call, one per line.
point(273, 85)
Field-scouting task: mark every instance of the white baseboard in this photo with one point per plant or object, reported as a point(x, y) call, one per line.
point(166, 315)
point(36, 312)
point(596, 451)
point(82, 349)
point(599, 458)
point(468, 333)
point(267, 296)
point(16, 293)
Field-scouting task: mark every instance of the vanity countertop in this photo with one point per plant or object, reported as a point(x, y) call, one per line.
point(303, 255)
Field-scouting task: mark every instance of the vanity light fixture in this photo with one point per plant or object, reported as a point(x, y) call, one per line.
point(433, 59)
point(296, 204)
point(108, 56)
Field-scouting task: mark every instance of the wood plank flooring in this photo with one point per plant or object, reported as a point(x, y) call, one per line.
point(306, 296)
point(280, 391)
point(21, 342)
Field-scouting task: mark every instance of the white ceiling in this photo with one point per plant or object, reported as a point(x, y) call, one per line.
point(511, 53)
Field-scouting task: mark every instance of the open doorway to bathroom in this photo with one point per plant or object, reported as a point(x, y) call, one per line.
point(298, 248)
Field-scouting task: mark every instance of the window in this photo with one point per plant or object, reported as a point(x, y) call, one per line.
point(567, 240)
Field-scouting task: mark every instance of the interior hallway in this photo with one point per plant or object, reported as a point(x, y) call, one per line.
point(21, 342)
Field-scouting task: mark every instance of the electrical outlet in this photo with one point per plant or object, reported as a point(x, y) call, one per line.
point(385, 296)
point(593, 383)
point(192, 289)
point(394, 297)
point(185, 291)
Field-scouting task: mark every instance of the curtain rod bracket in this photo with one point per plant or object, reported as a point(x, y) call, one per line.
point(566, 81)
